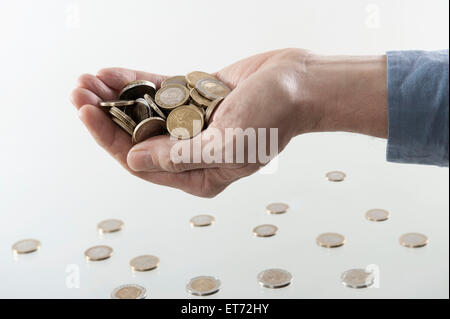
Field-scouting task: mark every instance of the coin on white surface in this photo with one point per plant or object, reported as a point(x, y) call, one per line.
point(110, 225)
point(277, 208)
point(274, 278)
point(357, 278)
point(202, 220)
point(203, 286)
point(413, 240)
point(97, 253)
point(130, 291)
point(330, 240)
point(265, 230)
point(26, 246)
point(377, 215)
point(144, 263)
point(335, 176)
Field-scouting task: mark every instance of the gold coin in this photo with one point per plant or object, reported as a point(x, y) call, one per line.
point(171, 96)
point(265, 230)
point(193, 77)
point(413, 240)
point(211, 108)
point(179, 79)
point(144, 263)
point(357, 278)
point(330, 240)
point(377, 215)
point(203, 286)
point(123, 125)
point(108, 104)
point(212, 88)
point(97, 253)
point(110, 225)
point(129, 292)
point(137, 89)
point(140, 111)
point(148, 128)
point(274, 278)
point(202, 220)
point(198, 99)
point(185, 122)
point(26, 246)
point(115, 112)
point(277, 208)
point(335, 176)
point(154, 106)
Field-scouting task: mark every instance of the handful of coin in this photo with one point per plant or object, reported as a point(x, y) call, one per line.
point(183, 106)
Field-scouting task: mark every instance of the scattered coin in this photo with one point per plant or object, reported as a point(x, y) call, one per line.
point(377, 215)
point(137, 89)
point(154, 106)
point(97, 253)
point(121, 103)
point(335, 176)
point(185, 122)
point(357, 278)
point(172, 96)
point(413, 240)
point(144, 263)
point(265, 230)
point(179, 79)
point(198, 99)
point(26, 246)
point(130, 291)
point(202, 220)
point(193, 77)
point(277, 208)
point(203, 286)
point(330, 240)
point(211, 108)
point(274, 278)
point(212, 88)
point(110, 225)
point(148, 128)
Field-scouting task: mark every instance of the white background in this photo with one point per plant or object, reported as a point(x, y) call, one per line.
point(56, 184)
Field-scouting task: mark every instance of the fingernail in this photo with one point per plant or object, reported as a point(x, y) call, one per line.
point(140, 160)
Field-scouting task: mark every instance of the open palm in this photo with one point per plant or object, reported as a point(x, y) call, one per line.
point(263, 97)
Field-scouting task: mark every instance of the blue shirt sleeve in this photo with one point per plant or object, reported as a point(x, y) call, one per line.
point(418, 107)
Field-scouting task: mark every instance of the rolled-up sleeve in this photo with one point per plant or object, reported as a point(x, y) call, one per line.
point(418, 107)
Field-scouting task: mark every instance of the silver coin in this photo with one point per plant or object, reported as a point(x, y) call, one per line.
point(377, 215)
point(274, 278)
point(202, 220)
point(144, 263)
point(265, 230)
point(413, 240)
point(357, 278)
point(212, 88)
point(130, 291)
point(110, 225)
point(97, 253)
point(203, 286)
point(330, 240)
point(335, 176)
point(277, 208)
point(26, 246)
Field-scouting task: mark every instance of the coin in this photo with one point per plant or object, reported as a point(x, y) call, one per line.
point(274, 278)
point(154, 106)
point(26, 246)
point(335, 176)
point(123, 125)
point(110, 225)
point(130, 291)
point(171, 96)
point(212, 88)
point(137, 89)
point(413, 240)
point(119, 103)
point(377, 215)
point(277, 208)
point(98, 253)
point(144, 263)
point(179, 79)
point(357, 278)
point(203, 286)
point(202, 220)
point(141, 110)
point(330, 240)
point(122, 117)
point(211, 108)
point(148, 128)
point(265, 230)
point(193, 77)
point(185, 122)
point(198, 99)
